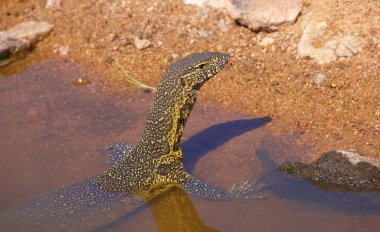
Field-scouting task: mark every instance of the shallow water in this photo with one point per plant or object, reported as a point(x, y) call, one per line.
point(51, 130)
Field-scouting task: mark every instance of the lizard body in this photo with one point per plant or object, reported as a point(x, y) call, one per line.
point(157, 159)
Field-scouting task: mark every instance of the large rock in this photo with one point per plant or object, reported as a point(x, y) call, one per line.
point(257, 14)
point(264, 14)
point(346, 171)
point(21, 37)
point(339, 47)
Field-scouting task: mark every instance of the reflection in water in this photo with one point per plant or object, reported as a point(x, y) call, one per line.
point(174, 211)
point(292, 188)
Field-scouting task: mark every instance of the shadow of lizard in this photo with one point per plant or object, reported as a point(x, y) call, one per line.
point(215, 136)
point(144, 171)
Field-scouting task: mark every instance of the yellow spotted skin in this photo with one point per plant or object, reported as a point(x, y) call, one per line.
point(156, 161)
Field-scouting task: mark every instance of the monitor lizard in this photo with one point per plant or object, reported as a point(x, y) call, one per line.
point(138, 172)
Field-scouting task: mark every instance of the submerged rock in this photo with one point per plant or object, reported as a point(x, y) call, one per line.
point(342, 171)
point(21, 37)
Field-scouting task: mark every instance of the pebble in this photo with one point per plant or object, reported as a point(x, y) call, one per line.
point(202, 3)
point(63, 50)
point(222, 25)
point(319, 78)
point(141, 43)
point(53, 4)
point(266, 41)
point(203, 33)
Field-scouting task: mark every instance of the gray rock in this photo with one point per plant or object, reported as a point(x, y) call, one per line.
point(331, 51)
point(20, 37)
point(264, 14)
point(342, 171)
point(31, 31)
point(319, 78)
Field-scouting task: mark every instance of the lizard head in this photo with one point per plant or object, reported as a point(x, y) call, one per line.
point(196, 69)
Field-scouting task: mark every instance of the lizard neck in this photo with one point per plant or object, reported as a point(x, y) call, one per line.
point(166, 120)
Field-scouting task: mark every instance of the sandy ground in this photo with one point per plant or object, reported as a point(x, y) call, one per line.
point(343, 112)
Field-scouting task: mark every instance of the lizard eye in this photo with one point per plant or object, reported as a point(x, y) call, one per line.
point(201, 66)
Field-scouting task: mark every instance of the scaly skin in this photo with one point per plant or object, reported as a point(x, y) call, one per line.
point(156, 161)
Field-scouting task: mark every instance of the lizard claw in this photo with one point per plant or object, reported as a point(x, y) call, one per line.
point(248, 189)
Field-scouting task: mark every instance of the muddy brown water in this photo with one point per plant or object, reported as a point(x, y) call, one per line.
point(51, 130)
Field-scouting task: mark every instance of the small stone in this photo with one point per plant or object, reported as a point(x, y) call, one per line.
point(377, 112)
point(81, 81)
point(63, 50)
point(200, 3)
point(53, 4)
point(141, 43)
point(112, 37)
point(266, 41)
point(203, 3)
point(175, 56)
point(222, 25)
point(203, 33)
point(319, 78)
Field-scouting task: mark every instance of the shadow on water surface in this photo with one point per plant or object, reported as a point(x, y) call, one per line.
point(215, 136)
point(50, 126)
